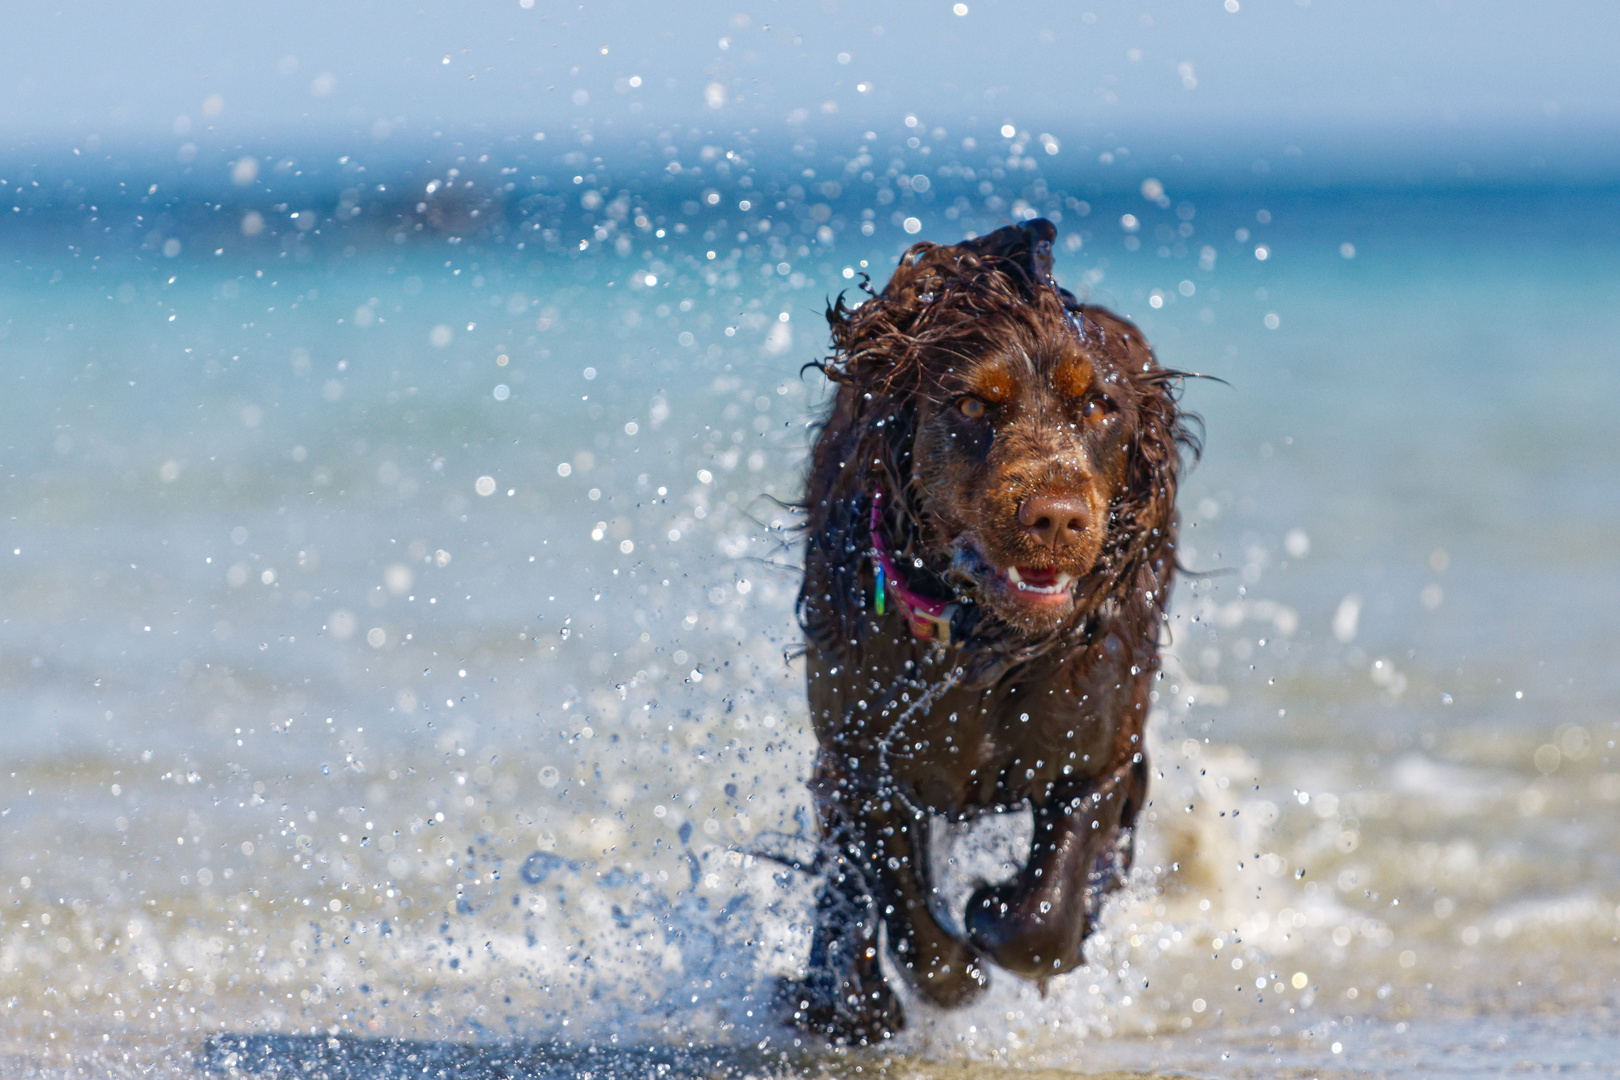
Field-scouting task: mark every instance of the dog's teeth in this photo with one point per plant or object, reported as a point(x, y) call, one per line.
point(1059, 585)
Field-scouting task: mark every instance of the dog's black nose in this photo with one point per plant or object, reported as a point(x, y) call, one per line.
point(1053, 520)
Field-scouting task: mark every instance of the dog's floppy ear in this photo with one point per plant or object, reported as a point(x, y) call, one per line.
point(874, 342)
point(1148, 507)
point(1156, 457)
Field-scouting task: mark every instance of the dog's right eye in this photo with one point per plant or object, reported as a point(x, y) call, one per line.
point(1097, 406)
point(971, 407)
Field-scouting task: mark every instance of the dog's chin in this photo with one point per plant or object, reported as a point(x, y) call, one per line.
point(1036, 599)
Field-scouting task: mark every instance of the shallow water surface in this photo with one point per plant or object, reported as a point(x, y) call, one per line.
point(398, 646)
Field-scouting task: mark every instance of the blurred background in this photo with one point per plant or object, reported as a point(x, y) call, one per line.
point(404, 411)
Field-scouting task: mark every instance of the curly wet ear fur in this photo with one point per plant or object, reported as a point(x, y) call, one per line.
point(1145, 514)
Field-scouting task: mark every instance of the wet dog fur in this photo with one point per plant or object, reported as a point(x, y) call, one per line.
point(1022, 450)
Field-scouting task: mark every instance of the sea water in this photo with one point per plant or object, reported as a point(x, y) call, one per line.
point(397, 628)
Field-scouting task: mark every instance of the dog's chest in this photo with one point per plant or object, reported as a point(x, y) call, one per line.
point(979, 750)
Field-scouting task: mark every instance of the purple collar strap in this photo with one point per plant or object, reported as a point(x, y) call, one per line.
point(930, 620)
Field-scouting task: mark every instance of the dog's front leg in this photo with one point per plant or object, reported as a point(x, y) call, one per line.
point(844, 994)
point(1036, 924)
point(942, 967)
point(879, 873)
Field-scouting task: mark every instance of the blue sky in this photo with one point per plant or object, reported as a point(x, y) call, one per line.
point(156, 70)
point(1486, 90)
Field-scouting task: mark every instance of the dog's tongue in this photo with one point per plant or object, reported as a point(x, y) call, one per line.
point(1038, 579)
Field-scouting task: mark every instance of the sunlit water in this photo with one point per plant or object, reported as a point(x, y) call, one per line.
point(398, 637)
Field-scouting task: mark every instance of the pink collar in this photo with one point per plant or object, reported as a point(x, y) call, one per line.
point(930, 620)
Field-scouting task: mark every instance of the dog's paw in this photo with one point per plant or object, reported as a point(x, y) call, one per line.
point(955, 977)
point(840, 1010)
point(1025, 936)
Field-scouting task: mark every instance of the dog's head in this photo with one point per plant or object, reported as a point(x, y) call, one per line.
point(1032, 440)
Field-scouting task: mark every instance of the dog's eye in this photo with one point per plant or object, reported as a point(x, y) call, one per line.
point(1095, 407)
point(971, 407)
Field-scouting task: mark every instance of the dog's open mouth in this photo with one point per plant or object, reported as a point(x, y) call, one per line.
point(1039, 581)
point(1028, 586)
point(1039, 585)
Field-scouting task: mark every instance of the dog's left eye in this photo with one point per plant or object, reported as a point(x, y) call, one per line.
point(971, 407)
point(1095, 407)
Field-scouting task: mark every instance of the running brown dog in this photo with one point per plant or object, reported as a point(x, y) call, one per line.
point(992, 535)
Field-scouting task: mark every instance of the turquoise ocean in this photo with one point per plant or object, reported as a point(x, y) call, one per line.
point(397, 633)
